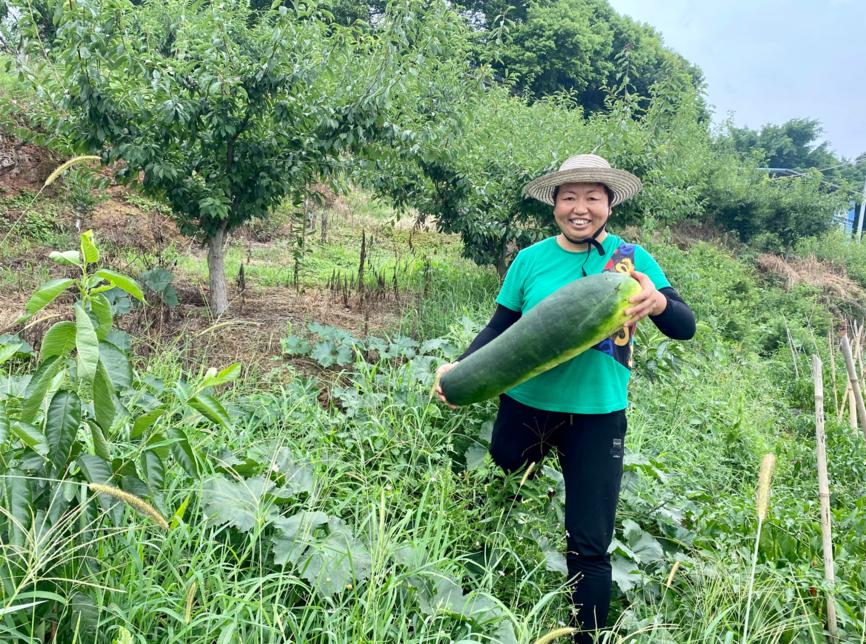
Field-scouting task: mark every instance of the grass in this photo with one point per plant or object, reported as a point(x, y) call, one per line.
point(388, 249)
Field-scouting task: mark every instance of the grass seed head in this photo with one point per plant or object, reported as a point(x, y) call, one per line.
point(555, 634)
point(130, 499)
point(762, 501)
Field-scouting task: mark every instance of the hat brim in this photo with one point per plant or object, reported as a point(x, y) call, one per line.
point(624, 185)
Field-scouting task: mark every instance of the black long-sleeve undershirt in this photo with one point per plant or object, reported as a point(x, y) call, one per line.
point(677, 321)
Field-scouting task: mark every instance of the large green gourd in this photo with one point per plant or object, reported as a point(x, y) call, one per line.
point(564, 324)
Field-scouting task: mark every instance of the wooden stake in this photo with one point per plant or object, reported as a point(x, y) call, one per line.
point(855, 384)
point(832, 352)
point(824, 494)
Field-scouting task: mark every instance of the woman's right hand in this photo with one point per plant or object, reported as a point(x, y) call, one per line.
point(441, 371)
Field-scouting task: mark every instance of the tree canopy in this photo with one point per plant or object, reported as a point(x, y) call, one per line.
point(582, 47)
point(224, 111)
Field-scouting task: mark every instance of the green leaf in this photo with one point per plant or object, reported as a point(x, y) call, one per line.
point(332, 563)
point(625, 572)
point(84, 612)
point(61, 427)
point(100, 445)
point(120, 304)
point(169, 296)
point(294, 534)
point(101, 309)
point(294, 345)
point(178, 515)
point(156, 279)
point(104, 406)
point(45, 295)
point(23, 350)
point(134, 485)
point(4, 425)
point(95, 469)
point(61, 495)
point(154, 471)
point(30, 436)
point(644, 546)
point(212, 379)
point(209, 407)
point(145, 421)
point(18, 501)
point(116, 364)
point(58, 340)
point(293, 476)
point(475, 456)
point(87, 346)
point(38, 386)
point(7, 352)
point(183, 452)
point(14, 608)
point(122, 282)
point(236, 503)
point(66, 258)
point(328, 354)
point(160, 444)
point(88, 248)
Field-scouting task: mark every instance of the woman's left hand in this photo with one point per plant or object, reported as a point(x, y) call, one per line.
point(648, 302)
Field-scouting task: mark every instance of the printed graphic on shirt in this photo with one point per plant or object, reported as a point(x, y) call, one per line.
point(619, 345)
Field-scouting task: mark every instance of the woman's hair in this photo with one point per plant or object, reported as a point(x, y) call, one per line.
point(606, 189)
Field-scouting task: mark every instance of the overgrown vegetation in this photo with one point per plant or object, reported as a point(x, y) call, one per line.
point(316, 491)
point(348, 489)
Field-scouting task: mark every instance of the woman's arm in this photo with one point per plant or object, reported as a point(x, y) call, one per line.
point(502, 318)
point(677, 321)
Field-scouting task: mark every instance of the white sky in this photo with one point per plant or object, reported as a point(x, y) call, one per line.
point(768, 61)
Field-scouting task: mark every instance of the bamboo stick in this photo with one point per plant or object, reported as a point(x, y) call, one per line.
point(841, 410)
point(824, 494)
point(852, 409)
point(793, 350)
point(832, 352)
point(858, 351)
point(855, 385)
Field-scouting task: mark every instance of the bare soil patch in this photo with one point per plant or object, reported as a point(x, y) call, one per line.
point(250, 331)
point(24, 166)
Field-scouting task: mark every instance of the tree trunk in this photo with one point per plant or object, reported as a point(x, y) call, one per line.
point(219, 300)
point(502, 255)
point(501, 267)
point(323, 217)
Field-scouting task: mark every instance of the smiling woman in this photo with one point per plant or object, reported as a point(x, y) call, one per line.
point(578, 407)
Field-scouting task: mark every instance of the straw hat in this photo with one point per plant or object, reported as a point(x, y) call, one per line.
point(585, 168)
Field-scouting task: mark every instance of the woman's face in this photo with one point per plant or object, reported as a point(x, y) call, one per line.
point(581, 209)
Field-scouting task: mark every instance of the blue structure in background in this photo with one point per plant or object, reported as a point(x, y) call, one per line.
point(849, 219)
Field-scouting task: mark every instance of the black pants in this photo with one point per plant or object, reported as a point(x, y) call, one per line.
point(590, 449)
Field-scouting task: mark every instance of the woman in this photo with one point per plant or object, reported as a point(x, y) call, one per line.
point(579, 406)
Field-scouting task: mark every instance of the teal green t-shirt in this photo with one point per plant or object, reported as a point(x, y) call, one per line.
point(596, 381)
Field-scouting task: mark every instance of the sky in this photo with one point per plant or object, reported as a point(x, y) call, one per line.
point(768, 61)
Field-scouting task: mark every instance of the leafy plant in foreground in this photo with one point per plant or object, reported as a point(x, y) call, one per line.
point(82, 420)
